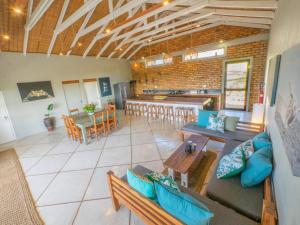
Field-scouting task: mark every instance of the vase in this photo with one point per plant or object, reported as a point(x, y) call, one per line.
point(49, 123)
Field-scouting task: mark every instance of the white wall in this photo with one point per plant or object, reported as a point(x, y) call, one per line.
point(14, 67)
point(285, 33)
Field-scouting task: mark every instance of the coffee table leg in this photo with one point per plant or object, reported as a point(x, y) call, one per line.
point(171, 173)
point(184, 179)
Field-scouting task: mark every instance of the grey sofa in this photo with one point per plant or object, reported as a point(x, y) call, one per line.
point(229, 192)
point(222, 215)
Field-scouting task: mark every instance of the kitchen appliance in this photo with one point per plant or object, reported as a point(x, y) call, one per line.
point(123, 91)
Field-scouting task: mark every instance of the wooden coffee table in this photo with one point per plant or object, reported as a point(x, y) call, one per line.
point(183, 162)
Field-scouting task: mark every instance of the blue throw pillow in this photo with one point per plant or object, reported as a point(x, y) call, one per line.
point(258, 167)
point(141, 184)
point(182, 206)
point(261, 140)
point(203, 116)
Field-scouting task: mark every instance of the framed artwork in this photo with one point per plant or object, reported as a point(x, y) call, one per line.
point(272, 81)
point(105, 87)
point(31, 91)
point(287, 113)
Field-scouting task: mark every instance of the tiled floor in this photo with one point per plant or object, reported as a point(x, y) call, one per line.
point(68, 180)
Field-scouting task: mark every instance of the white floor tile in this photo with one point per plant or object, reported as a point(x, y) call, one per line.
point(115, 156)
point(117, 141)
point(121, 131)
point(98, 187)
point(142, 138)
point(166, 148)
point(27, 163)
point(66, 187)
point(144, 153)
point(82, 160)
point(64, 147)
point(49, 164)
point(156, 166)
point(101, 212)
point(63, 214)
point(38, 150)
point(93, 145)
point(39, 183)
point(135, 220)
point(166, 135)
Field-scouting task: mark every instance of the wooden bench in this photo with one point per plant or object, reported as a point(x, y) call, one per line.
point(153, 214)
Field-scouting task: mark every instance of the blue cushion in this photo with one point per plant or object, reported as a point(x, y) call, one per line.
point(258, 167)
point(203, 116)
point(263, 135)
point(182, 206)
point(259, 142)
point(142, 184)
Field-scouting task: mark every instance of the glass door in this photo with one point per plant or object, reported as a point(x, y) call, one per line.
point(236, 84)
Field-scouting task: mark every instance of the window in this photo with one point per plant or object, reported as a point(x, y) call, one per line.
point(158, 62)
point(205, 54)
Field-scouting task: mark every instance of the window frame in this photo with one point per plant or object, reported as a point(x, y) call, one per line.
point(205, 58)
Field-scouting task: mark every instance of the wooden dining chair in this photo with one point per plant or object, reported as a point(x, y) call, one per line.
point(111, 117)
point(76, 131)
point(67, 126)
point(73, 111)
point(99, 125)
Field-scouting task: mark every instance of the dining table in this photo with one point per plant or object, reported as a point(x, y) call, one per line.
point(83, 120)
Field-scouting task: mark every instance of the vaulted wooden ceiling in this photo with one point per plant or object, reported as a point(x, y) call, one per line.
point(117, 28)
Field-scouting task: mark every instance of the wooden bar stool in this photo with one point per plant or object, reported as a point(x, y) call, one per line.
point(152, 111)
point(169, 112)
point(143, 109)
point(179, 114)
point(160, 112)
point(188, 114)
point(128, 109)
point(136, 109)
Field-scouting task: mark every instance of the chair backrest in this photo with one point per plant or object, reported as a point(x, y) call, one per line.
point(73, 111)
point(96, 117)
point(66, 122)
point(73, 127)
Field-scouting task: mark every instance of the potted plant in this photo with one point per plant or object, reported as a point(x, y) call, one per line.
point(90, 108)
point(49, 121)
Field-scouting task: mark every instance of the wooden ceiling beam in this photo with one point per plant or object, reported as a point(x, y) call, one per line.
point(242, 24)
point(269, 4)
point(135, 51)
point(60, 19)
point(85, 8)
point(245, 20)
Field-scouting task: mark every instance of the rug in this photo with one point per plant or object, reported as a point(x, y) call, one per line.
point(201, 174)
point(17, 205)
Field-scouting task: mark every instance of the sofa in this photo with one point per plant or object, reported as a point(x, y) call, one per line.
point(152, 213)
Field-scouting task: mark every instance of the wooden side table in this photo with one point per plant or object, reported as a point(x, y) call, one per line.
point(183, 162)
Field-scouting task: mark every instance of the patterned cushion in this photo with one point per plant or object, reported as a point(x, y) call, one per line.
point(246, 147)
point(167, 181)
point(231, 164)
point(216, 123)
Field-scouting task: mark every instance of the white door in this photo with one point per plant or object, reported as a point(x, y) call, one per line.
point(92, 93)
point(73, 96)
point(7, 133)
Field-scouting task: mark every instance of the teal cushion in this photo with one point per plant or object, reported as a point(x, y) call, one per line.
point(182, 206)
point(260, 142)
point(141, 184)
point(203, 116)
point(231, 165)
point(258, 167)
point(263, 135)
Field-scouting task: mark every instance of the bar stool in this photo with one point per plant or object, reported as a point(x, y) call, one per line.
point(189, 114)
point(143, 109)
point(128, 109)
point(160, 112)
point(179, 114)
point(135, 109)
point(169, 112)
point(152, 111)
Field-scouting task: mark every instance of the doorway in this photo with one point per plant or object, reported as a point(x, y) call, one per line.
point(73, 94)
point(236, 84)
point(7, 132)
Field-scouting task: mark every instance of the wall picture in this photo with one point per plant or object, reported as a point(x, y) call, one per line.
point(287, 114)
point(31, 91)
point(105, 87)
point(273, 75)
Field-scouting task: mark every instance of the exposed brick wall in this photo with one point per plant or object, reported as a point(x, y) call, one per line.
point(196, 74)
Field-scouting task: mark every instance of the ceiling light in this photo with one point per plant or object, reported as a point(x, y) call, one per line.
point(165, 2)
point(79, 44)
point(17, 10)
point(149, 40)
point(120, 49)
point(6, 37)
point(107, 31)
point(61, 54)
point(221, 41)
point(198, 25)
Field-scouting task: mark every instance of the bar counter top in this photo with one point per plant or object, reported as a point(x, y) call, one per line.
point(184, 100)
